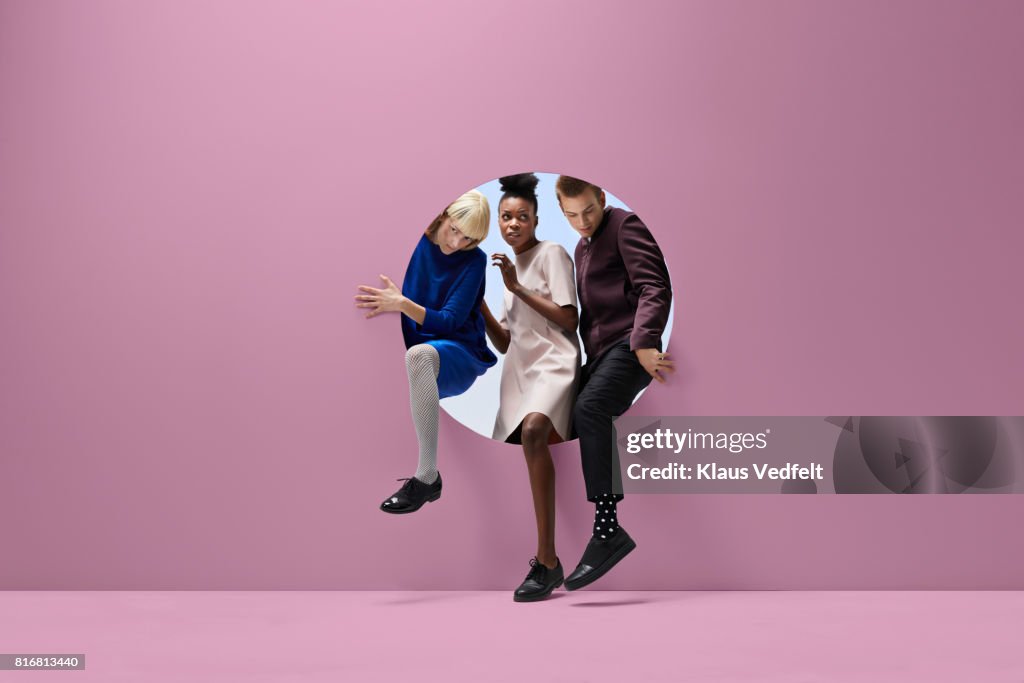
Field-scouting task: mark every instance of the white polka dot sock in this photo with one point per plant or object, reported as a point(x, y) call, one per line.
point(606, 523)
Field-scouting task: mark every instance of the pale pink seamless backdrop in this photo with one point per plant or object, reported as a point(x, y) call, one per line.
point(189, 193)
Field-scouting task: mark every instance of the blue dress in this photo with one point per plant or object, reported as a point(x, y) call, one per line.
point(450, 287)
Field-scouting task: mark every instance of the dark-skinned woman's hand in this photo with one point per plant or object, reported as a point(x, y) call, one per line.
point(508, 271)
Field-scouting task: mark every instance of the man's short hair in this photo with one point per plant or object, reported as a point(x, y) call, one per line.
point(567, 186)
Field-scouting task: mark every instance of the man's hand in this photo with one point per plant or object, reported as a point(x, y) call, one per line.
point(655, 362)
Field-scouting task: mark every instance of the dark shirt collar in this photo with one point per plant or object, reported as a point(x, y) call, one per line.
point(604, 222)
point(600, 228)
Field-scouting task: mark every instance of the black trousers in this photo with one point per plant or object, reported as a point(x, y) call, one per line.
point(608, 386)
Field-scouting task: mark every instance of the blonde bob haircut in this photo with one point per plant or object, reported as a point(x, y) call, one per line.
point(471, 213)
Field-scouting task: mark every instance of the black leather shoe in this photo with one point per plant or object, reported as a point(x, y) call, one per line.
point(600, 556)
point(539, 582)
point(411, 497)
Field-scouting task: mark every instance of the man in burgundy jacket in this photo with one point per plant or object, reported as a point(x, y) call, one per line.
point(625, 295)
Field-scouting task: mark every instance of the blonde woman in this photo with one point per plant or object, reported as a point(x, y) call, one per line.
point(443, 330)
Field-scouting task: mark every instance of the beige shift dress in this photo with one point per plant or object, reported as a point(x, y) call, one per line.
point(542, 366)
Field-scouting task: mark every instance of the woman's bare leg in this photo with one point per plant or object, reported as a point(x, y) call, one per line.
point(536, 431)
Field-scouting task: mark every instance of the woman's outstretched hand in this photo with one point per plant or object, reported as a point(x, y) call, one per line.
point(386, 300)
point(508, 271)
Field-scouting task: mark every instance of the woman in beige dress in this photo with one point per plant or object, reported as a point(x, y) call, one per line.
point(537, 334)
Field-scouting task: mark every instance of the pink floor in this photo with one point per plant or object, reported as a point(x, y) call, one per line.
point(155, 637)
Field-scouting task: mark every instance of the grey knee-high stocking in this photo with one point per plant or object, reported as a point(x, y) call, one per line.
point(423, 365)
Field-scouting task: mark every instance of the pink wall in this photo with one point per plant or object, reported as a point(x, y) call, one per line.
point(189, 193)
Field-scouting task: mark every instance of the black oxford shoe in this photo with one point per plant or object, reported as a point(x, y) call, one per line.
point(539, 582)
point(600, 556)
point(411, 497)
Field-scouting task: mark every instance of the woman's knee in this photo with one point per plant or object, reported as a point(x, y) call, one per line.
point(536, 429)
point(422, 358)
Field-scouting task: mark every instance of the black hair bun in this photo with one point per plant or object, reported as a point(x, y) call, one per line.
point(519, 184)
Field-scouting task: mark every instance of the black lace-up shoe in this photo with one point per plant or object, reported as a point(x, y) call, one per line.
point(411, 497)
point(539, 582)
point(600, 556)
